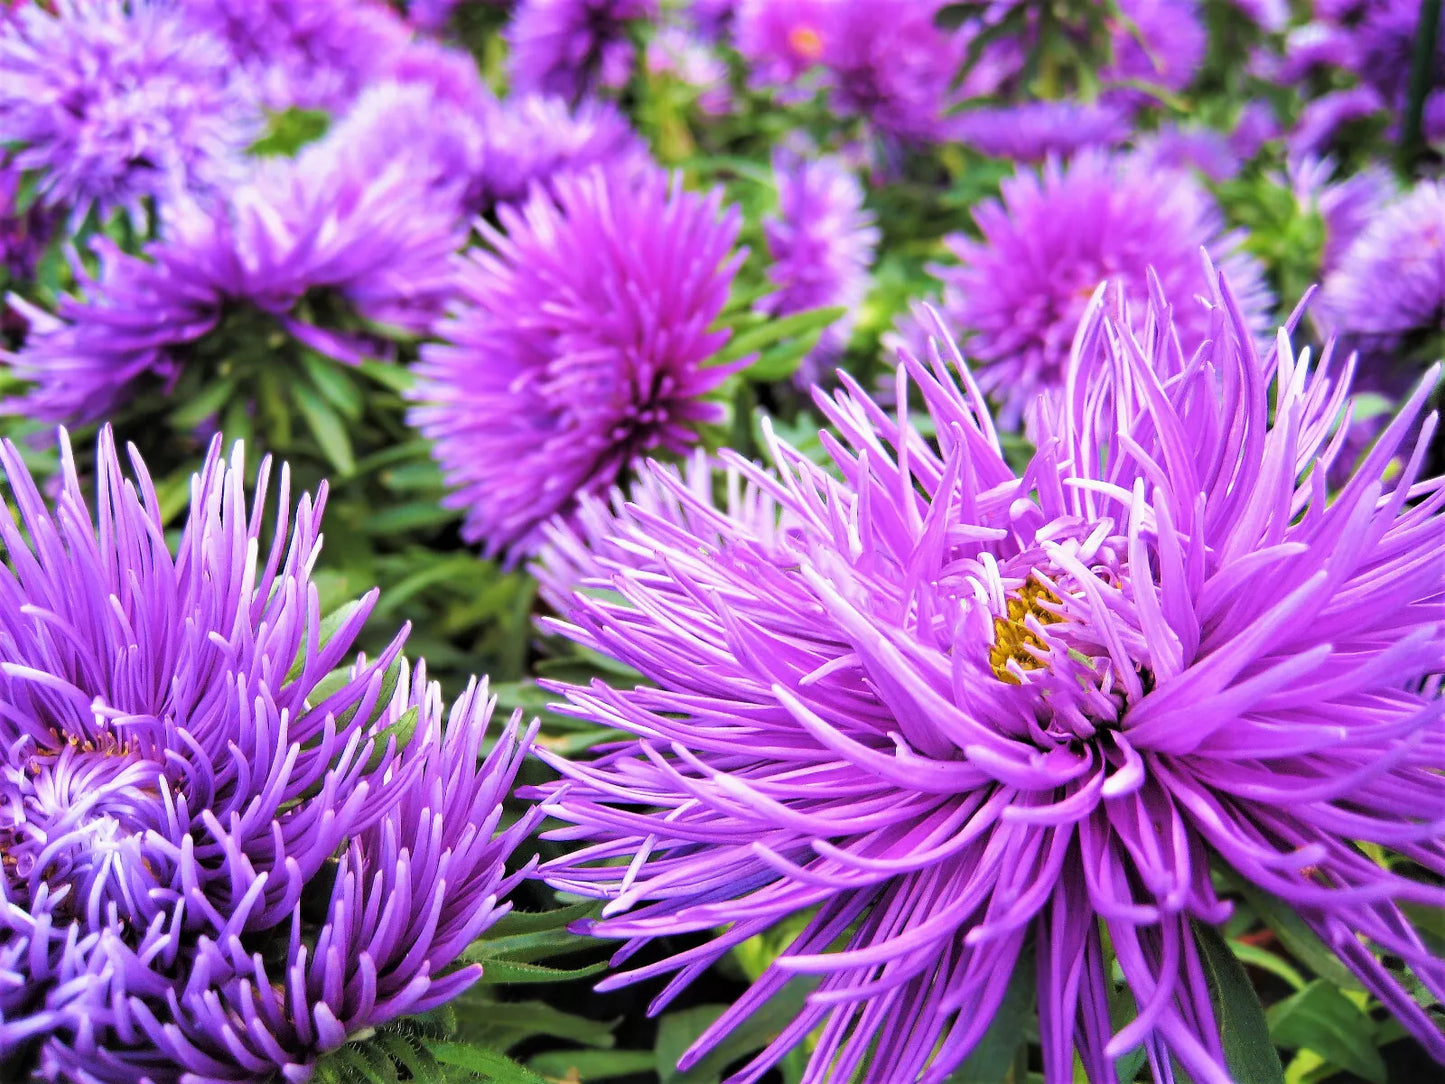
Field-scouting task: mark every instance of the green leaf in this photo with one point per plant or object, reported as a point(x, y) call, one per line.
point(328, 628)
point(996, 1054)
point(590, 1065)
point(193, 412)
point(680, 1030)
point(492, 1064)
point(1322, 1019)
point(1248, 1051)
point(388, 374)
point(1301, 941)
point(515, 972)
point(517, 922)
point(527, 947)
point(327, 427)
point(334, 384)
point(539, 1018)
point(773, 331)
point(1265, 960)
point(290, 130)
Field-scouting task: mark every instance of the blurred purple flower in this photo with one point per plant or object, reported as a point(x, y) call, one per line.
point(579, 342)
point(712, 19)
point(174, 775)
point(572, 47)
point(1345, 206)
point(1204, 149)
point(1022, 287)
point(378, 242)
point(1032, 131)
point(1386, 297)
point(1160, 43)
point(937, 713)
point(821, 243)
point(111, 103)
point(311, 54)
point(534, 139)
point(1321, 118)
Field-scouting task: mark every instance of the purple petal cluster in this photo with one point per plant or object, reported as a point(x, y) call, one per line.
point(310, 54)
point(573, 47)
point(175, 775)
point(1158, 43)
point(534, 139)
point(23, 234)
point(1021, 287)
point(882, 60)
point(1345, 206)
point(821, 243)
point(110, 103)
point(941, 720)
point(254, 264)
point(580, 341)
point(1386, 297)
point(1032, 131)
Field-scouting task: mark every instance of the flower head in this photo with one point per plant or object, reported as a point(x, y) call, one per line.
point(174, 775)
point(112, 102)
point(1386, 297)
point(821, 243)
point(571, 47)
point(1161, 44)
point(231, 280)
point(1032, 131)
point(943, 720)
point(579, 342)
point(1022, 287)
point(533, 139)
point(311, 54)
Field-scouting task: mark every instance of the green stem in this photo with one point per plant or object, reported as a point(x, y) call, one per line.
point(1422, 71)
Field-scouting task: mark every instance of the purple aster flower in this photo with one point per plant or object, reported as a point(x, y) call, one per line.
point(235, 279)
point(1158, 42)
point(1320, 119)
point(821, 243)
point(881, 60)
point(581, 340)
point(312, 54)
point(175, 775)
point(1032, 131)
point(1023, 286)
point(945, 715)
point(1269, 15)
point(1175, 147)
point(712, 19)
point(1345, 206)
point(534, 139)
point(571, 47)
point(1387, 296)
point(112, 102)
point(1255, 126)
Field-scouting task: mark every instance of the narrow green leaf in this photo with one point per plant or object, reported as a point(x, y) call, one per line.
point(590, 1065)
point(334, 384)
point(519, 922)
point(539, 1018)
point(328, 628)
point(1248, 1051)
point(1322, 1019)
point(526, 947)
point(680, 1030)
point(327, 427)
point(1265, 960)
point(388, 374)
point(1301, 941)
point(192, 413)
point(492, 1064)
point(515, 972)
point(774, 331)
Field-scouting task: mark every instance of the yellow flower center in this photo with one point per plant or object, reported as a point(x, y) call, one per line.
point(806, 42)
point(1012, 638)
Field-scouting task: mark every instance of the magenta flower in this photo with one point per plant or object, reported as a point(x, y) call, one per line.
point(572, 47)
point(377, 241)
point(174, 776)
point(1032, 131)
point(934, 713)
point(821, 243)
point(1022, 287)
point(580, 341)
point(112, 103)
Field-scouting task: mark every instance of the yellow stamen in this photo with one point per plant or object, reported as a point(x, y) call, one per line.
point(1012, 638)
point(806, 42)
